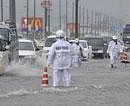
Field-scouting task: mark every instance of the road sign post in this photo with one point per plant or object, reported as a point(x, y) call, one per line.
point(47, 5)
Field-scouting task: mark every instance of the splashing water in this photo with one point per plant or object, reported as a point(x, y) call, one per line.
point(27, 69)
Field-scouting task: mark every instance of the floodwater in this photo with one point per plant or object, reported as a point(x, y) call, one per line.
point(93, 84)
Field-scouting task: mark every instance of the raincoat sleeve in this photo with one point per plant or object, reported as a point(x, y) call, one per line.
point(51, 55)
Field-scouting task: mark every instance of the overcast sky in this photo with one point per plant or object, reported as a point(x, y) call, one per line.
point(116, 8)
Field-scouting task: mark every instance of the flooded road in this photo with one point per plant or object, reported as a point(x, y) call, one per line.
point(93, 84)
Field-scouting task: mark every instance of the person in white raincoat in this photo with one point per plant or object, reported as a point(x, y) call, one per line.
point(114, 50)
point(77, 53)
point(60, 59)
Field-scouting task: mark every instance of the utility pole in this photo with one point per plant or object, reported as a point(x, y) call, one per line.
point(66, 16)
point(27, 16)
point(12, 12)
point(45, 20)
point(73, 17)
point(98, 24)
point(13, 28)
point(34, 18)
point(95, 26)
point(83, 19)
point(60, 14)
point(46, 4)
point(87, 23)
point(79, 19)
point(76, 18)
point(1, 10)
point(49, 12)
point(92, 22)
point(100, 17)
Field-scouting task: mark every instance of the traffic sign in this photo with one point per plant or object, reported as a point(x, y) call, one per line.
point(38, 24)
point(46, 4)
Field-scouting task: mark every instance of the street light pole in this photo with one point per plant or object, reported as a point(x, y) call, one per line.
point(73, 17)
point(60, 14)
point(1, 10)
point(87, 22)
point(34, 18)
point(80, 19)
point(76, 18)
point(27, 16)
point(92, 12)
point(66, 15)
point(49, 16)
point(46, 21)
point(47, 5)
point(83, 19)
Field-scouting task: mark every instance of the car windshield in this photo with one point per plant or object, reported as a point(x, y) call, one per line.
point(4, 32)
point(26, 46)
point(83, 44)
point(107, 39)
point(49, 42)
point(95, 42)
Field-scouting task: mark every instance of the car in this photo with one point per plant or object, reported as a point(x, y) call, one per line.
point(97, 43)
point(48, 43)
point(26, 50)
point(39, 43)
point(106, 40)
point(87, 50)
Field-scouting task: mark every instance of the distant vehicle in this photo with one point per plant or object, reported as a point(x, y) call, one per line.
point(8, 41)
point(126, 35)
point(48, 43)
point(97, 44)
point(26, 50)
point(39, 43)
point(20, 35)
point(106, 39)
point(87, 51)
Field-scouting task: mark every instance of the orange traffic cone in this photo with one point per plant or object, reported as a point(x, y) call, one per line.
point(124, 57)
point(44, 77)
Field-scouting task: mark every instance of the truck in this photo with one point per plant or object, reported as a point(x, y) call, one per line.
point(8, 39)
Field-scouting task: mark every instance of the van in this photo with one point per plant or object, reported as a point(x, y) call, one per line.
point(98, 46)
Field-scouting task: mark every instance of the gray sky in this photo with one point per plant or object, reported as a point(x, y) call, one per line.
point(116, 8)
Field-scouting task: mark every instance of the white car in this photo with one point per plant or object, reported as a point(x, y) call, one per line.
point(87, 50)
point(48, 43)
point(26, 50)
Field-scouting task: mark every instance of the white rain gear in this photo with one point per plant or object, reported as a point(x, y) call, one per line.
point(77, 51)
point(114, 50)
point(60, 59)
